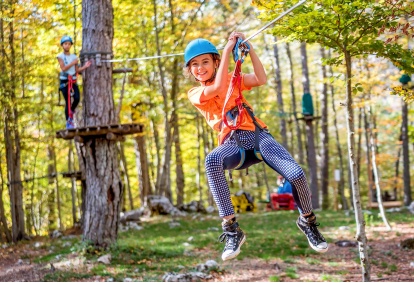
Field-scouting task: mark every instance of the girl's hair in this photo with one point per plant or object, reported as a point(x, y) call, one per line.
point(187, 69)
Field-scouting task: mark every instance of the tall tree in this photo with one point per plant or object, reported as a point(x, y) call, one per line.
point(324, 161)
point(10, 116)
point(310, 142)
point(406, 154)
point(341, 181)
point(279, 95)
point(104, 188)
point(5, 231)
point(295, 113)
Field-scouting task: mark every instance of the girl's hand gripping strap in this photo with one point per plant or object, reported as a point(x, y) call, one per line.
point(244, 50)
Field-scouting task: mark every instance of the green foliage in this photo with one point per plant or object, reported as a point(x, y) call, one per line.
point(345, 26)
point(274, 278)
point(291, 272)
point(329, 278)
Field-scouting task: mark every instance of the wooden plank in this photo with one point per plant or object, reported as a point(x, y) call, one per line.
point(101, 130)
point(75, 174)
point(122, 70)
point(385, 204)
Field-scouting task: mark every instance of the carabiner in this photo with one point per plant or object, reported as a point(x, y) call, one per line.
point(244, 50)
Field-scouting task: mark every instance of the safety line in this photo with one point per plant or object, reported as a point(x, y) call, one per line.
point(182, 53)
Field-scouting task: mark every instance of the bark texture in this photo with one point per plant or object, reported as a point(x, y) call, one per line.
point(104, 189)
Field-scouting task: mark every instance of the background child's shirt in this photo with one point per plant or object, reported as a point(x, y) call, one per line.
point(67, 59)
point(212, 108)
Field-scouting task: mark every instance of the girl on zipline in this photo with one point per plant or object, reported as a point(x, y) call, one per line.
point(68, 86)
point(217, 105)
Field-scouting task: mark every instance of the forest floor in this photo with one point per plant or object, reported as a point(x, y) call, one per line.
point(389, 262)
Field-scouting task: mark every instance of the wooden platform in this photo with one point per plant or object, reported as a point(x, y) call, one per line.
point(110, 132)
point(305, 118)
point(386, 204)
point(75, 174)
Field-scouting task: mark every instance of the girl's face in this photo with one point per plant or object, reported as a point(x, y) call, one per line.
point(66, 46)
point(203, 67)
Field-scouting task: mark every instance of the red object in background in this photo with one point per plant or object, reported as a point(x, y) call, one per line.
point(281, 202)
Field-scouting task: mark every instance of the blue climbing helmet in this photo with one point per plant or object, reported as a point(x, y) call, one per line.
point(198, 47)
point(66, 38)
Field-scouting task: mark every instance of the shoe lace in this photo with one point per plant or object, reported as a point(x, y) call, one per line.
point(230, 239)
point(315, 235)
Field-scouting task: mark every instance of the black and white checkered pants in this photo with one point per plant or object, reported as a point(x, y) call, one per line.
point(274, 155)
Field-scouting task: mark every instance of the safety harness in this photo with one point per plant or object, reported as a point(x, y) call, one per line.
point(71, 82)
point(234, 117)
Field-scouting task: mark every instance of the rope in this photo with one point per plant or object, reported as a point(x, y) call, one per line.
point(182, 53)
point(52, 175)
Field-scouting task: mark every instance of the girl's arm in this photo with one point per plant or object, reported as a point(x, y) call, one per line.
point(67, 67)
point(258, 77)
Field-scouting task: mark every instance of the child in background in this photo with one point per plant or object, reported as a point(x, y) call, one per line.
point(202, 61)
point(69, 69)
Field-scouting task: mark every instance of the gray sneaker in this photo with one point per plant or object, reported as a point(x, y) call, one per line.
point(309, 227)
point(234, 237)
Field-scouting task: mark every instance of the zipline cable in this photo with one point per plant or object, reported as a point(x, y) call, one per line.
point(182, 53)
point(275, 20)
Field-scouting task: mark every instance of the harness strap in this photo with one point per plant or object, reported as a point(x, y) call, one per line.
point(233, 114)
point(242, 151)
point(70, 83)
point(257, 130)
point(236, 80)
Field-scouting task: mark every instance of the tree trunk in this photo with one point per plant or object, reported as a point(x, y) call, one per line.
point(312, 164)
point(155, 177)
point(206, 149)
point(324, 165)
point(397, 166)
point(176, 72)
point(341, 182)
point(104, 189)
point(57, 190)
point(359, 217)
point(11, 127)
point(198, 173)
point(142, 168)
point(406, 155)
point(51, 197)
point(359, 144)
point(375, 171)
point(279, 94)
point(163, 179)
point(71, 168)
point(81, 152)
point(125, 176)
point(180, 184)
point(3, 220)
point(293, 95)
point(268, 189)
